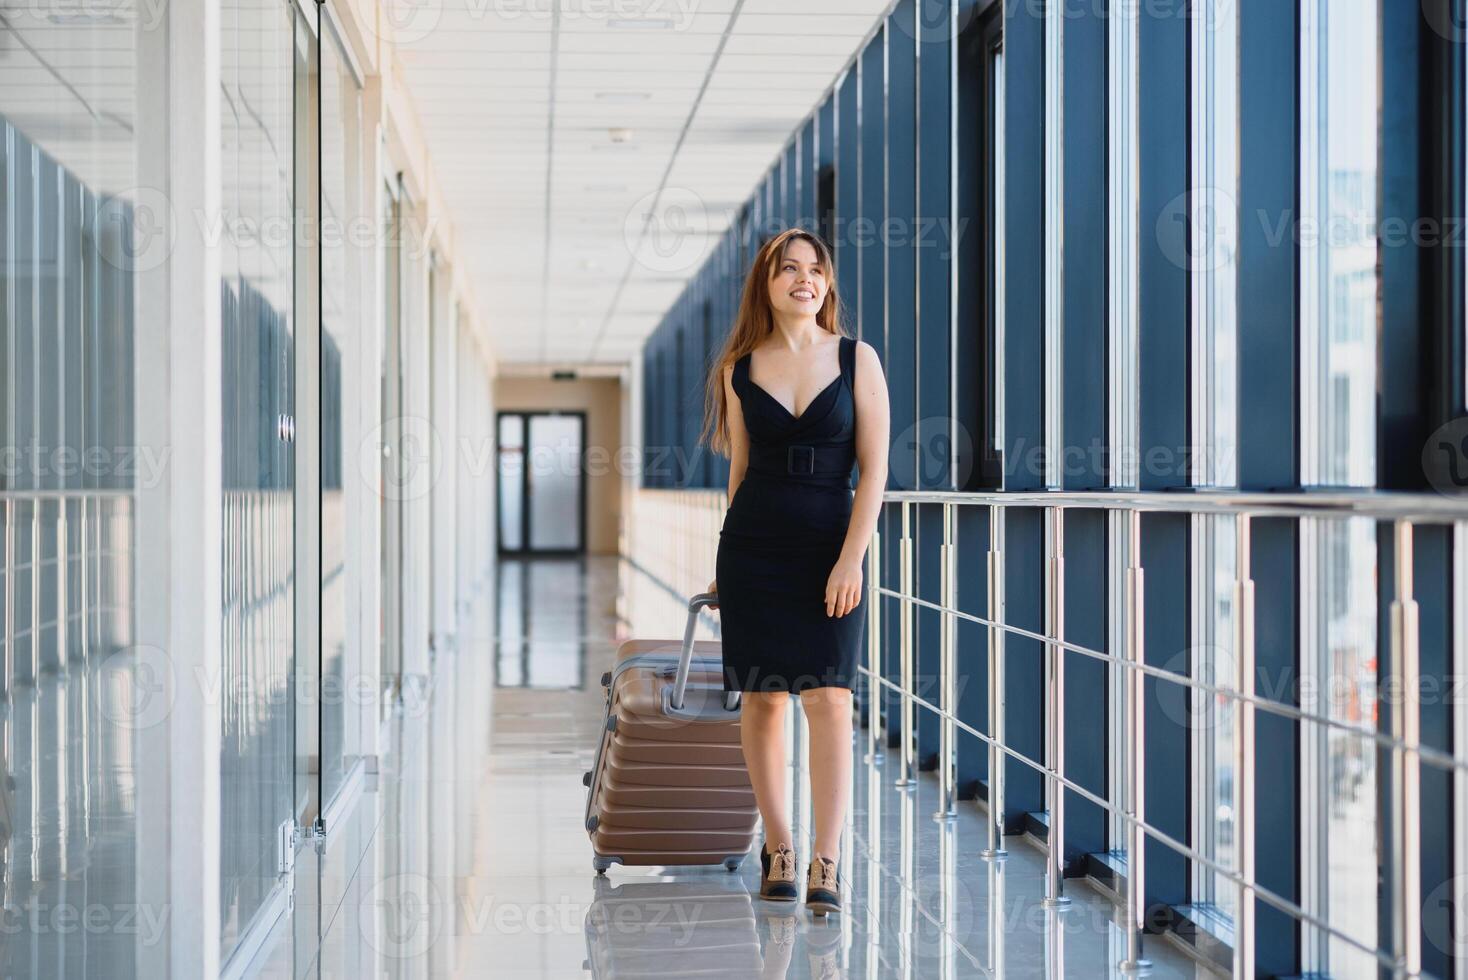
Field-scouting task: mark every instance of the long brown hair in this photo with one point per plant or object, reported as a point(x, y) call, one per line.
point(756, 321)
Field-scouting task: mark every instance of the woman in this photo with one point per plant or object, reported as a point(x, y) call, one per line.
point(793, 403)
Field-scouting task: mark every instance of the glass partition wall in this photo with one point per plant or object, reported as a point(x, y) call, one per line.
point(341, 702)
point(258, 103)
point(71, 211)
point(390, 626)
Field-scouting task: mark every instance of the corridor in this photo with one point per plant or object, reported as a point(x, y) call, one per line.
point(479, 865)
point(363, 390)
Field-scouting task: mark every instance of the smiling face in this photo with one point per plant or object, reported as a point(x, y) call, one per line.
point(798, 285)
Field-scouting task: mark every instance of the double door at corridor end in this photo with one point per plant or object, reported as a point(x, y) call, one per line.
point(542, 482)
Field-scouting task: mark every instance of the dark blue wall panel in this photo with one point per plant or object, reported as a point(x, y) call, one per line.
point(901, 259)
point(1086, 743)
point(1024, 154)
point(1268, 178)
point(846, 152)
point(1083, 464)
point(1163, 187)
point(871, 257)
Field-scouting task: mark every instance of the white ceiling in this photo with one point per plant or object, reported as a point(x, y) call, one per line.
point(517, 103)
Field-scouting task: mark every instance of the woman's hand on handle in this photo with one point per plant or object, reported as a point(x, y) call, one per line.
point(714, 588)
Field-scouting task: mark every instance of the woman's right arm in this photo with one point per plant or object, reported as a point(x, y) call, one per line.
point(738, 446)
point(738, 437)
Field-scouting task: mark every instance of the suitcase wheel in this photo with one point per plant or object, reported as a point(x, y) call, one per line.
point(606, 679)
point(733, 863)
point(586, 778)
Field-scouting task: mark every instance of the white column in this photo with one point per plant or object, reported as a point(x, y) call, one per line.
point(180, 518)
point(363, 460)
point(444, 393)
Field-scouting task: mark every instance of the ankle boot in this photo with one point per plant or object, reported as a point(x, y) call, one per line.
point(823, 887)
point(777, 874)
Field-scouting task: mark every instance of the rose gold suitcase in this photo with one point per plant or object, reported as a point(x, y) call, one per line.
point(669, 785)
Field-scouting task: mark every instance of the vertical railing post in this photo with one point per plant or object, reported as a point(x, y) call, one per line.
point(875, 862)
point(995, 848)
point(8, 627)
point(907, 773)
point(875, 735)
point(1135, 748)
point(1055, 711)
point(948, 699)
point(1406, 806)
point(1244, 748)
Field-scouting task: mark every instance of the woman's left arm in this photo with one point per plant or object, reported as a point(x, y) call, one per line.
point(873, 422)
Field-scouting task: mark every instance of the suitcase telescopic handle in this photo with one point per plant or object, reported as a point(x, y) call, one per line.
point(685, 660)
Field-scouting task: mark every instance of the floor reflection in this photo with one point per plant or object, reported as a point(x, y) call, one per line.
point(471, 859)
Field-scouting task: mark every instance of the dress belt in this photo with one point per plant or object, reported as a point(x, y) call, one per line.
point(824, 464)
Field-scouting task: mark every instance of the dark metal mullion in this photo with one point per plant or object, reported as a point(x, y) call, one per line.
point(525, 545)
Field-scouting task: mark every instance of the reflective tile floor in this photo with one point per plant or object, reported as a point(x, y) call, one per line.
point(469, 858)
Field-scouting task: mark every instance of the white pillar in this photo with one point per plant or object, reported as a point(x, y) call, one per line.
point(180, 518)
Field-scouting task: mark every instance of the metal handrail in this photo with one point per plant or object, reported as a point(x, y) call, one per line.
point(78, 494)
point(1436, 757)
point(1161, 836)
point(1421, 508)
point(1404, 510)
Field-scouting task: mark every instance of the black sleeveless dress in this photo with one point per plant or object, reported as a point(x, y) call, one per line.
point(781, 536)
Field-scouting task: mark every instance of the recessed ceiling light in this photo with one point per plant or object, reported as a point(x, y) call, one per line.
point(623, 96)
point(620, 134)
point(604, 188)
point(640, 23)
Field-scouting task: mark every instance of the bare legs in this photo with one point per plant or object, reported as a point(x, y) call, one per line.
point(762, 736)
point(828, 710)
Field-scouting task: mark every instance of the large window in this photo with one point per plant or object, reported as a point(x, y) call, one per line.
point(1211, 716)
point(341, 313)
point(1340, 93)
point(979, 401)
point(1341, 844)
point(1213, 243)
point(257, 786)
point(1213, 309)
